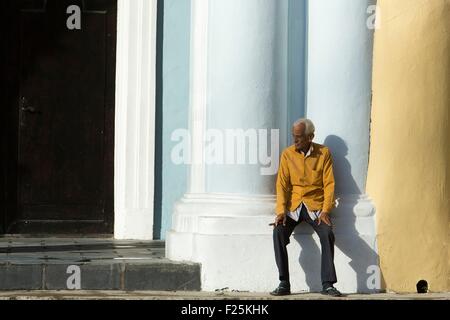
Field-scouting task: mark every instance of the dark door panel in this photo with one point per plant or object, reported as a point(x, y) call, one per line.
point(58, 116)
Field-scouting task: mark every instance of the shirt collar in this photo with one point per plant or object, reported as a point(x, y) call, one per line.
point(311, 149)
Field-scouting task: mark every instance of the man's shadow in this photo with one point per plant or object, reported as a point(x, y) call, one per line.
point(350, 242)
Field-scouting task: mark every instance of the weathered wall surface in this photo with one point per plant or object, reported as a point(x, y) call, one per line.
point(409, 157)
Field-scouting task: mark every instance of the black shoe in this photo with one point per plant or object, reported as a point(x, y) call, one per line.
point(281, 291)
point(331, 291)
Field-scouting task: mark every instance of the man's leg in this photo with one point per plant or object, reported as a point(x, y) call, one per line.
point(281, 235)
point(326, 236)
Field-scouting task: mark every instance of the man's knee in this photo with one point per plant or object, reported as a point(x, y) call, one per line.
point(279, 233)
point(326, 232)
point(278, 230)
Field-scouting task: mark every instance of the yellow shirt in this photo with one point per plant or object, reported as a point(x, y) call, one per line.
point(307, 179)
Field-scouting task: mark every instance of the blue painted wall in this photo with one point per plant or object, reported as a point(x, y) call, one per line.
point(174, 104)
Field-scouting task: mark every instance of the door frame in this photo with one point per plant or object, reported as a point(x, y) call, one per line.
point(134, 163)
point(134, 127)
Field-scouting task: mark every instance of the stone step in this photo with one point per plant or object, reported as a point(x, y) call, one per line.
point(92, 264)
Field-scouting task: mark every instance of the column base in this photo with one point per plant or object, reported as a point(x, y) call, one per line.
point(236, 250)
point(133, 224)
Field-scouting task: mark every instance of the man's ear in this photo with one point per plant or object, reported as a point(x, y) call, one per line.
point(311, 137)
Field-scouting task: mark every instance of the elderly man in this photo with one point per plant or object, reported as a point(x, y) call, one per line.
point(305, 192)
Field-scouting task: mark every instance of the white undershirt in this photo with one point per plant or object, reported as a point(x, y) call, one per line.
point(295, 215)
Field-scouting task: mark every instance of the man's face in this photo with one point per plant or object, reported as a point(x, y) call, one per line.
point(301, 140)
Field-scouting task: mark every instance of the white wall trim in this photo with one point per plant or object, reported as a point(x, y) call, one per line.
point(135, 119)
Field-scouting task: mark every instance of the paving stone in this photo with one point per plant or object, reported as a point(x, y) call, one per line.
point(92, 276)
point(20, 277)
point(162, 276)
point(25, 261)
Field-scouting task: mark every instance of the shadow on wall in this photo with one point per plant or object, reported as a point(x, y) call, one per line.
point(348, 240)
point(157, 198)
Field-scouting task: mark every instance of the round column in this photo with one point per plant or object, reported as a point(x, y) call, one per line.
point(247, 94)
point(238, 101)
point(339, 103)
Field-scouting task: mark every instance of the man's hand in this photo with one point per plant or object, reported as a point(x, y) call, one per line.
point(325, 218)
point(280, 219)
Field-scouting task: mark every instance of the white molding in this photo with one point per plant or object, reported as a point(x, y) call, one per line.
point(215, 213)
point(135, 119)
point(236, 250)
point(198, 93)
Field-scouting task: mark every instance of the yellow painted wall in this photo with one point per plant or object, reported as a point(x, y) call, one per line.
point(409, 168)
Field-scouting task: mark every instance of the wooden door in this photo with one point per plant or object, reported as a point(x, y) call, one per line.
point(58, 91)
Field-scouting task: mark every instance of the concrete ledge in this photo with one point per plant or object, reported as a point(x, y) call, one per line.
point(117, 276)
point(182, 295)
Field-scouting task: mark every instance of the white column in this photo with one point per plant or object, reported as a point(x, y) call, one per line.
point(198, 94)
point(339, 102)
point(135, 119)
point(238, 81)
point(222, 223)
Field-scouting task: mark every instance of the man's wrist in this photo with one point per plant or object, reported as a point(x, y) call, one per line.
point(323, 213)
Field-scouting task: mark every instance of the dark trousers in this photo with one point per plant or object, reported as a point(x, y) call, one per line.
point(281, 235)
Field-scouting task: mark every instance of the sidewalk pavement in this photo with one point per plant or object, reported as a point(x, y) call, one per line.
point(187, 295)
